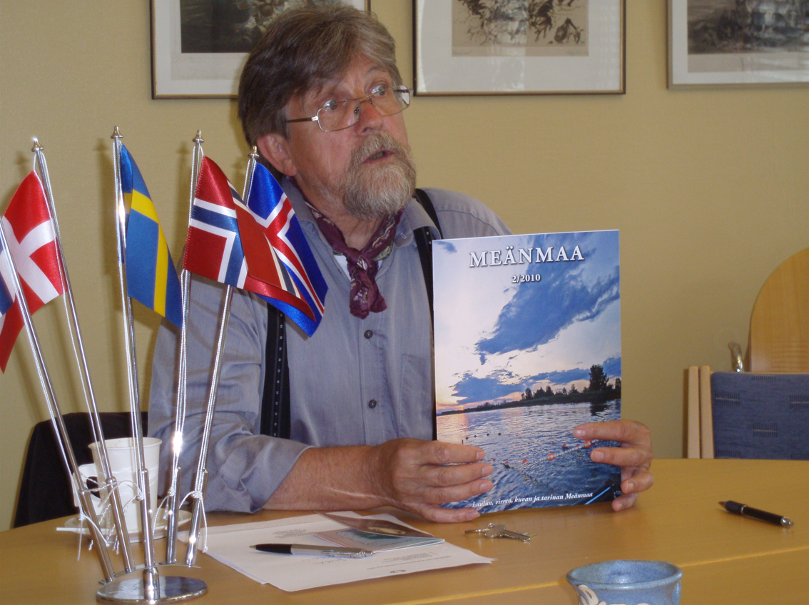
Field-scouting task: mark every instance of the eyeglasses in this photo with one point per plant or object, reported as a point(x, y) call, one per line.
point(337, 115)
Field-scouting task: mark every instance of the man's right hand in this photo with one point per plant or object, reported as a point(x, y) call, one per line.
point(414, 475)
point(420, 476)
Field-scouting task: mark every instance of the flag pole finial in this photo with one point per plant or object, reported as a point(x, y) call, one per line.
point(198, 138)
point(254, 153)
point(37, 147)
point(116, 134)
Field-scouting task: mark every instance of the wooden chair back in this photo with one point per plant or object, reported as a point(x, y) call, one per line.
point(778, 338)
point(699, 425)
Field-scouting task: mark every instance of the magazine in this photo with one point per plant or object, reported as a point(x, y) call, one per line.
point(527, 335)
point(375, 534)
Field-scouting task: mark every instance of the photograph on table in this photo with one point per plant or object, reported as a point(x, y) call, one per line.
point(200, 46)
point(528, 346)
point(738, 42)
point(518, 46)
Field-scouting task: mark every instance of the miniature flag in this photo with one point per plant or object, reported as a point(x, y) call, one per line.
point(31, 241)
point(6, 284)
point(271, 209)
point(151, 276)
point(213, 247)
point(220, 230)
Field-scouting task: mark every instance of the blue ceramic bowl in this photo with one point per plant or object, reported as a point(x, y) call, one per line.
point(627, 582)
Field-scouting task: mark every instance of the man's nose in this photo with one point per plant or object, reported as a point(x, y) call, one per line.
point(368, 116)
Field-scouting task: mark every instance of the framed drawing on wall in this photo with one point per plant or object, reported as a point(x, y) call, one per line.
point(199, 46)
point(737, 42)
point(498, 47)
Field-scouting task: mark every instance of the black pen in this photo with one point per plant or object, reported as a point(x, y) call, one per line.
point(757, 514)
point(312, 550)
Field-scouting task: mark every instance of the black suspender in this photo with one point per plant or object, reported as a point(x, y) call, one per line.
point(275, 413)
point(424, 237)
point(276, 392)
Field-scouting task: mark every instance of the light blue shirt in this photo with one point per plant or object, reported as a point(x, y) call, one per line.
point(353, 382)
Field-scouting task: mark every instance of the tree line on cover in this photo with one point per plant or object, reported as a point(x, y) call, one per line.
point(599, 390)
point(597, 384)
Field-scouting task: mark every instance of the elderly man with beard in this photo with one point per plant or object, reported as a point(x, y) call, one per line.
point(322, 99)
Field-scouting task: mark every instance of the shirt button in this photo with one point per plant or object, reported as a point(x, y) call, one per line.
point(368, 334)
point(372, 403)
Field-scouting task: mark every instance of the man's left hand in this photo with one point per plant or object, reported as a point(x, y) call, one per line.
point(634, 456)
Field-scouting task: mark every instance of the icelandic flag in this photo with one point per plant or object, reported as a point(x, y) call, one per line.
point(151, 276)
point(221, 230)
point(31, 242)
point(270, 208)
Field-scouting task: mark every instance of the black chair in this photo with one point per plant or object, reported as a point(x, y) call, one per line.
point(45, 491)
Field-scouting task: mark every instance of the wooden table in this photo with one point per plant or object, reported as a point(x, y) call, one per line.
point(725, 558)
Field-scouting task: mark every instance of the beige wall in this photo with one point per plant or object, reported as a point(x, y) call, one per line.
point(709, 189)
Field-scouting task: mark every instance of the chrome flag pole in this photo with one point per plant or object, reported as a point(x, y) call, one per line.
point(132, 368)
point(60, 431)
point(84, 370)
point(201, 474)
point(150, 588)
point(173, 504)
point(173, 499)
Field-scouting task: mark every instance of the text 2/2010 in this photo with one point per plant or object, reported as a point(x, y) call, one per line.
point(526, 278)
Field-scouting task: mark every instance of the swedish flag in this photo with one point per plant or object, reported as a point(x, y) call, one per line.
point(151, 276)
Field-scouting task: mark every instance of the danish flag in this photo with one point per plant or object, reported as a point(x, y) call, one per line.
point(31, 242)
point(225, 243)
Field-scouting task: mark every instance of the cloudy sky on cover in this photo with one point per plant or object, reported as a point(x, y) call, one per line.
point(495, 338)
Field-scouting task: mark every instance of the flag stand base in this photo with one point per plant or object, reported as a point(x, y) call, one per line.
point(150, 588)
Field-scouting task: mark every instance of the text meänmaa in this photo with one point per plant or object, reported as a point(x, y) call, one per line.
point(519, 256)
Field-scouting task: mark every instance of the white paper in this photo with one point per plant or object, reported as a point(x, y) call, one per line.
point(231, 546)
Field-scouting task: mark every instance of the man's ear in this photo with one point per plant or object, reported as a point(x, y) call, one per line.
point(275, 149)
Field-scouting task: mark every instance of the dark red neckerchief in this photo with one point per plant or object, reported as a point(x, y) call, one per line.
point(364, 296)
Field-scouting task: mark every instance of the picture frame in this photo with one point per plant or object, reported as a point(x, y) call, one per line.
point(530, 47)
point(718, 43)
point(199, 46)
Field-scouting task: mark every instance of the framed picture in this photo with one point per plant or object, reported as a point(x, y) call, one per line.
point(734, 42)
point(200, 46)
point(498, 47)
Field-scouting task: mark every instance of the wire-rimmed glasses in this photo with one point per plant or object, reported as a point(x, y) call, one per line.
point(337, 115)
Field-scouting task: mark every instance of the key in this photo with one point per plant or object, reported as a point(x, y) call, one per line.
point(494, 531)
point(499, 531)
point(510, 534)
point(483, 531)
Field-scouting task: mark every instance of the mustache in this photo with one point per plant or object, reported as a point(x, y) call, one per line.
point(372, 191)
point(380, 141)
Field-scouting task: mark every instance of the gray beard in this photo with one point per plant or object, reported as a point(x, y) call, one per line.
point(378, 192)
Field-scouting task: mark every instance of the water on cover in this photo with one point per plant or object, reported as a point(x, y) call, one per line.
point(517, 442)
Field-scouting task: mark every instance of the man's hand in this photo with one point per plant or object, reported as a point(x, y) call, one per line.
point(420, 476)
point(415, 475)
point(634, 456)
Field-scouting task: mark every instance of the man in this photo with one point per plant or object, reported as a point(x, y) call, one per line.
point(322, 99)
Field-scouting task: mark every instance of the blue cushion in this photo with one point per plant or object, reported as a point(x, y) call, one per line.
point(760, 416)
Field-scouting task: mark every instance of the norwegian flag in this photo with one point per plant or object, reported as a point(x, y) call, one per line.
point(31, 240)
point(270, 208)
point(213, 248)
point(224, 241)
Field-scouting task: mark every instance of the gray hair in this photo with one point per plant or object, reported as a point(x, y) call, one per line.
point(302, 49)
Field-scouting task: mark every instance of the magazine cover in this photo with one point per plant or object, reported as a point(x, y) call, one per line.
point(527, 339)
